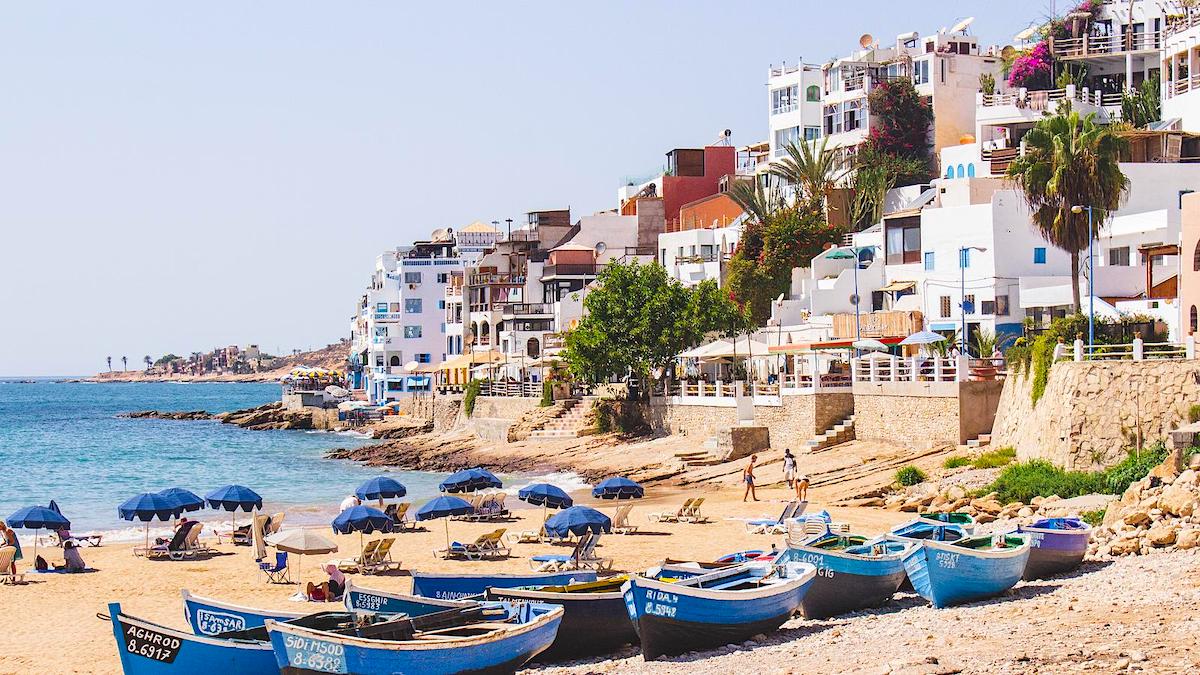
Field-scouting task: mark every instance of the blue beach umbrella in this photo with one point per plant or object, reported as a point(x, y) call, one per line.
point(149, 506)
point(36, 518)
point(618, 487)
point(188, 500)
point(577, 520)
point(362, 519)
point(444, 507)
point(545, 494)
point(381, 487)
point(234, 497)
point(470, 480)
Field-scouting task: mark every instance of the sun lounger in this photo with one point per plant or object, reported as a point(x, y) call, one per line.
point(7, 553)
point(191, 544)
point(274, 524)
point(779, 525)
point(381, 560)
point(620, 520)
point(554, 562)
point(693, 514)
point(490, 545)
point(399, 512)
point(670, 516)
point(277, 573)
point(174, 549)
point(354, 564)
point(62, 537)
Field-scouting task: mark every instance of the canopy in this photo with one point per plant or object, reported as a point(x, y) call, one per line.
point(188, 500)
point(346, 406)
point(577, 520)
point(545, 494)
point(702, 350)
point(445, 506)
point(234, 497)
point(470, 480)
point(898, 286)
point(148, 506)
point(870, 344)
point(36, 518)
point(618, 487)
point(362, 519)
point(742, 347)
point(301, 542)
point(924, 337)
point(381, 487)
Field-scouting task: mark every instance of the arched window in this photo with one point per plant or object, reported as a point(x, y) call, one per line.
point(483, 329)
point(1192, 317)
point(960, 171)
point(950, 172)
point(970, 171)
point(1196, 258)
point(813, 93)
point(394, 361)
point(533, 348)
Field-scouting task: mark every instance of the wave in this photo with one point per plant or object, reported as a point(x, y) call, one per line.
point(569, 481)
point(343, 432)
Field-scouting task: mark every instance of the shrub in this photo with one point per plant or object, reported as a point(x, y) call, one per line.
point(995, 458)
point(1093, 518)
point(955, 461)
point(1039, 478)
point(547, 395)
point(469, 394)
point(910, 475)
point(1133, 468)
point(1194, 414)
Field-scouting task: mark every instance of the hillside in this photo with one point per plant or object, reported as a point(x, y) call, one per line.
point(332, 357)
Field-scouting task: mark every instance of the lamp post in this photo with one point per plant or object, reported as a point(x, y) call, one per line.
point(1091, 275)
point(854, 252)
point(962, 289)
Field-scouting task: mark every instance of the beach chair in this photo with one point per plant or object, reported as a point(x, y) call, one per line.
point(275, 524)
point(693, 514)
point(494, 546)
point(277, 573)
point(529, 536)
point(63, 536)
point(173, 549)
point(7, 554)
point(399, 512)
point(587, 558)
point(554, 562)
point(381, 558)
point(670, 516)
point(191, 544)
point(353, 564)
point(482, 547)
point(776, 526)
point(620, 520)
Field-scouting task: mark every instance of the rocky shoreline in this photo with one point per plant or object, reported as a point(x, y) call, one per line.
point(259, 418)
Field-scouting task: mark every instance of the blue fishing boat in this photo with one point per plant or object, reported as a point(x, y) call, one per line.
point(917, 531)
point(1057, 545)
point(147, 648)
point(853, 572)
point(207, 616)
point(964, 520)
point(456, 586)
point(722, 607)
point(372, 601)
point(490, 638)
point(974, 568)
point(594, 617)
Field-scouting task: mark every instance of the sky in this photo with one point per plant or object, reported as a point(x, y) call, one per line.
point(180, 176)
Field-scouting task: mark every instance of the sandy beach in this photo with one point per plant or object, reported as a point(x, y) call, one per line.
point(1136, 611)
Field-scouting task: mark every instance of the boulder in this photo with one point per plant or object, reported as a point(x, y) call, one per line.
point(1189, 538)
point(955, 493)
point(1126, 546)
point(1025, 512)
point(1189, 477)
point(988, 506)
point(984, 517)
point(1178, 500)
point(1137, 518)
point(1162, 535)
point(911, 505)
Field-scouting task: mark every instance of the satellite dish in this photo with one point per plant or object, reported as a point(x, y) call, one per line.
point(1025, 34)
point(1008, 52)
point(866, 40)
point(962, 25)
point(728, 133)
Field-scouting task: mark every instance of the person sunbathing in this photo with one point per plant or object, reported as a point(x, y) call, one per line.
point(328, 591)
point(72, 560)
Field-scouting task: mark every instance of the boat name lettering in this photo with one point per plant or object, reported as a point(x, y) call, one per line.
point(817, 561)
point(1035, 539)
point(660, 603)
point(947, 560)
point(210, 622)
point(450, 595)
point(366, 601)
point(150, 644)
point(319, 655)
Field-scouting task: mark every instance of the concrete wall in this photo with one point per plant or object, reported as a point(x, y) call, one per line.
point(799, 419)
point(493, 415)
point(921, 413)
point(1189, 287)
point(1091, 411)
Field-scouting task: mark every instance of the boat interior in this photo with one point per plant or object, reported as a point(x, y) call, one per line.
point(608, 585)
point(991, 542)
point(329, 621)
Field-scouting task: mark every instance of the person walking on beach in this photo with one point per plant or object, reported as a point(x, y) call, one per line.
point(10, 539)
point(789, 467)
point(748, 477)
point(350, 502)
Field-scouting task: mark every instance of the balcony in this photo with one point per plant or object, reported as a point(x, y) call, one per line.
point(569, 270)
point(1093, 46)
point(527, 309)
point(1023, 105)
point(497, 279)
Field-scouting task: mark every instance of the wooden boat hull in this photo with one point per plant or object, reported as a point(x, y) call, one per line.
point(847, 583)
point(1054, 551)
point(673, 619)
point(371, 601)
point(945, 574)
point(302, 651)
point(962, 520)
point(149, 649)
point(207, 616)
point(457, 586)
point(592, 623)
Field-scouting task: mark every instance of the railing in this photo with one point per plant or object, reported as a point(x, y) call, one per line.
point(569, 269)
point(1180, 24)
point(527, 308)
point(1183, 86)
point(926, 369)
point(497, 279)
point(790, 107)
point(699, 259)
point(505, 388)
point(805, 382)
point(1138, 350)
point(452, 291)
point(1042, 99)
point(1101, 45)
point(784, 70)
point(520, 235)
point(481, 307)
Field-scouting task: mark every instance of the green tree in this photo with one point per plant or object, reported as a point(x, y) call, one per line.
point(813, 170)
point(877, 171)
point(1142, 107)
point(165, 359)
point(1070, 161)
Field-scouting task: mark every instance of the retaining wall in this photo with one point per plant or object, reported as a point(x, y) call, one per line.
point(798, 419)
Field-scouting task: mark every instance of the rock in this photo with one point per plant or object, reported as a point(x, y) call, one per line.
point(1025, 512)
point(1188, 538)
point(1123, 663)
point(988, 506)
point(1188, 477)
point(1162, 535)
point(866, 501)
point(1136, 656)
point(1126, 546)
point(167, 415)
point(956, 492)
point(984, 518)
point(911, 505)
point(1137, 518)
point(1178, 500)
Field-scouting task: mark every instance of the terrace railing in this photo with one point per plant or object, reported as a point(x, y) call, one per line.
point(1138, 350)
point(1104, 45)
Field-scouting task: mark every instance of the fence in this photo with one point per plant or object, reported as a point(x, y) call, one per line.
point(1138, 350)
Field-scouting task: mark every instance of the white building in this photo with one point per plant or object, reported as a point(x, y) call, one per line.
point(1181, 73)
point(692, 256)
point(794, 105)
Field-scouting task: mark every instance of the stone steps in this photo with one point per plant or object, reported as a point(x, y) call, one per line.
point(980, 441)
point(569, 422)
point(841, 432)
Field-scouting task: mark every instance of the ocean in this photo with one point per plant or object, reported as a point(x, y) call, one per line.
point(65, 441)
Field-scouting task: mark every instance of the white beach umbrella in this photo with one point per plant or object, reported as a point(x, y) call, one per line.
point(301, 543)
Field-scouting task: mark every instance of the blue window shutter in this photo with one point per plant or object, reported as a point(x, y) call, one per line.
point(1039, 256)
point(929, 261)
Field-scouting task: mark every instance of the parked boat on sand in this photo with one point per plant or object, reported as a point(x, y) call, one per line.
point(1057, 545)
point(951, 573)
point(457, 586)
point(853, 572)
point(594, 622)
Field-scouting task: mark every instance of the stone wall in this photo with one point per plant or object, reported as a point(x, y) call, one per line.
point(910, 420)
point(1091, 411)
point(798, 419)
point(494, 415)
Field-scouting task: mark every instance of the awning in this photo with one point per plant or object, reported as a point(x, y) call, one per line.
point(828, 344)
point(416, 381)
point(898, 286)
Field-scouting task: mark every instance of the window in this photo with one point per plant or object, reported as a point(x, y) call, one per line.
point(1001, 305)
point(1118, 256)
point(394, 361)
point(904, 242)
point(1196, 258)
point(443, 329)
point(1039, 255)
point(441, 304)
point(381, 307)
point(412, 331)
point(381, 331)
point(412, 306)
point(812, 133)
point(1193, 318)
point(784, 138)
point(395, 306)
point(813, 94)
point(412, 277)
point(921, 71)
point(964, 258)
point(443, 277)
point(424, 358)
point(785, 99)
point(988, 307)
point(944, 305)
point(929, 261)
point(971, 170)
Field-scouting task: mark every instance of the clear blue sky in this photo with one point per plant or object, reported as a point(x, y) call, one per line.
point(178, 176)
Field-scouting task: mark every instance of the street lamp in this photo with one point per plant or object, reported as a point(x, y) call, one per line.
point(1091, 275)
point(962, 289)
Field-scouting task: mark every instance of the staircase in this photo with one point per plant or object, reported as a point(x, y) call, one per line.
point(980, 441)
point(569, 422)
point(711, 454)
point(839, 433)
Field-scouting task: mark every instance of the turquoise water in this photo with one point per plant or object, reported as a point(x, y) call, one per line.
point(64, 441)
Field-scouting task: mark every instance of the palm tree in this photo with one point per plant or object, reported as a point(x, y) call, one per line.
point(813, 171)
point(757, 202)
point(1070, 161)
point(110, 364)
point(124, 363)
point(149, 361)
